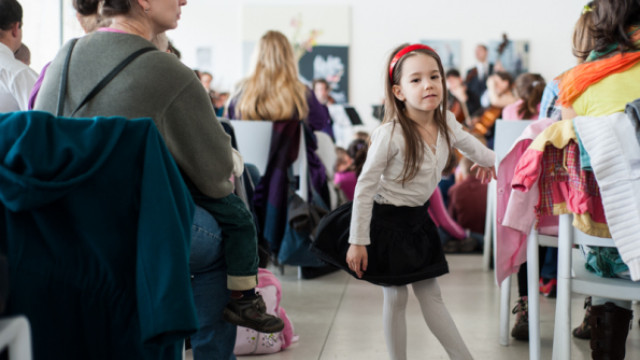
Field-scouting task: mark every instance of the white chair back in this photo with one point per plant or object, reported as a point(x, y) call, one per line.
point(506, 133)
point(254, 143)
point(326, 152)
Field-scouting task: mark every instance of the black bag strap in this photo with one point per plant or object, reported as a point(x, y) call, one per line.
point(112, 74)
point(62, 92)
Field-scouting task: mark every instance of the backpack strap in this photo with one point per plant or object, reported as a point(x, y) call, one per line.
point(112, 74)
point(62, 92)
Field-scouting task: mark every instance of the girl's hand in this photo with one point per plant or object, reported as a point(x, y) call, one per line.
point(485, 174)
point(357, 259)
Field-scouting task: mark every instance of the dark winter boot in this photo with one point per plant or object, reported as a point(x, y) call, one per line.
point(609, 329)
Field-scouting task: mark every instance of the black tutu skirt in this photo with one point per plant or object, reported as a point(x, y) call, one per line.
point(405, 245)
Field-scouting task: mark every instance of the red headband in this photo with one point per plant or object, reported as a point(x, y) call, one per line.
point(407, 49)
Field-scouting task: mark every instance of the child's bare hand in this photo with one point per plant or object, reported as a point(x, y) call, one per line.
point(357, 259)
point(485, 174)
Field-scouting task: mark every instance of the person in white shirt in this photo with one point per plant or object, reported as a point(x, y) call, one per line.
point(16, 78)
point(392, 241)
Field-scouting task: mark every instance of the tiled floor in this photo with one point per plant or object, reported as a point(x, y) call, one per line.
point(338, 317)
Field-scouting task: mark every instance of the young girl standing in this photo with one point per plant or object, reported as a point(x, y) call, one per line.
point(392, 241)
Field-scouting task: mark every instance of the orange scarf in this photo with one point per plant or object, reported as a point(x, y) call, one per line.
point(574, 82)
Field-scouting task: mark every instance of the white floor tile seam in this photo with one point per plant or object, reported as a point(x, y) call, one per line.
point(345, 285)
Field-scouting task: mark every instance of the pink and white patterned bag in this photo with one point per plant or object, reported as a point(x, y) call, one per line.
point(249, 341)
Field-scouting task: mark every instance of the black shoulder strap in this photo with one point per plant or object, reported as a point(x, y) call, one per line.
point(62, 92)
point(111, 75)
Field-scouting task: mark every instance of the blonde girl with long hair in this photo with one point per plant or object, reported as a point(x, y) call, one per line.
point(273, 91)
point(386, 236)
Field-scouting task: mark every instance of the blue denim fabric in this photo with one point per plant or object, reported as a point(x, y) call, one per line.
point(549, 269)
point(216, 338)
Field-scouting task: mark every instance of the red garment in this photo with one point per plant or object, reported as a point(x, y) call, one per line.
point(574, 187)
point(468, 203)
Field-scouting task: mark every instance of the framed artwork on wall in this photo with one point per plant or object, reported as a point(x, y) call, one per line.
point(512, 55)
point(450, 52)
point(330, 63)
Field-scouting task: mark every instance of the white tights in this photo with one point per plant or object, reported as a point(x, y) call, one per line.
point(434, 312)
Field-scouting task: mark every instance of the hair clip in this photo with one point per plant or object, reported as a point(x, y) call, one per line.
point(586, 9)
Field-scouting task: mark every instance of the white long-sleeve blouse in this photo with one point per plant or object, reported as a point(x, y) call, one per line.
point(385, 160)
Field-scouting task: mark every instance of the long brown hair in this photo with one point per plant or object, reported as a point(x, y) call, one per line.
point(395, 112)
point(583, 41)
point(273, 91)
point(611, 21)
point(529, 88)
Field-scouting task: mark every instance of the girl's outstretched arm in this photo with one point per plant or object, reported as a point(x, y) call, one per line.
point(468, 145)
point(485, 174)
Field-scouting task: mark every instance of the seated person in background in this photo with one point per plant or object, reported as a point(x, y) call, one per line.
point(459, 97)
point(321, 90)
point(345, 177)
point(348, 166)
point(206, 78)
point(498, 95)
point(468, 202)
point(474, 118)
point(529, 89)
point(358, 150)
point(219, 102)
point(273, 91)
point(454, 237)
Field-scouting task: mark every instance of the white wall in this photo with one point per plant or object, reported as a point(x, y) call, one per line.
point(380, 25)
point(376, 27)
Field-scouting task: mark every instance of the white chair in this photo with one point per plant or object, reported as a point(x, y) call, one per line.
point(507, 132)
point(580, 281)
point(15, 334)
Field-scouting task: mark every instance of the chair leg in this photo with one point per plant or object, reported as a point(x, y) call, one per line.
point(489, 227)
point(562, 327)
point(505, 299)
point(534, 300)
